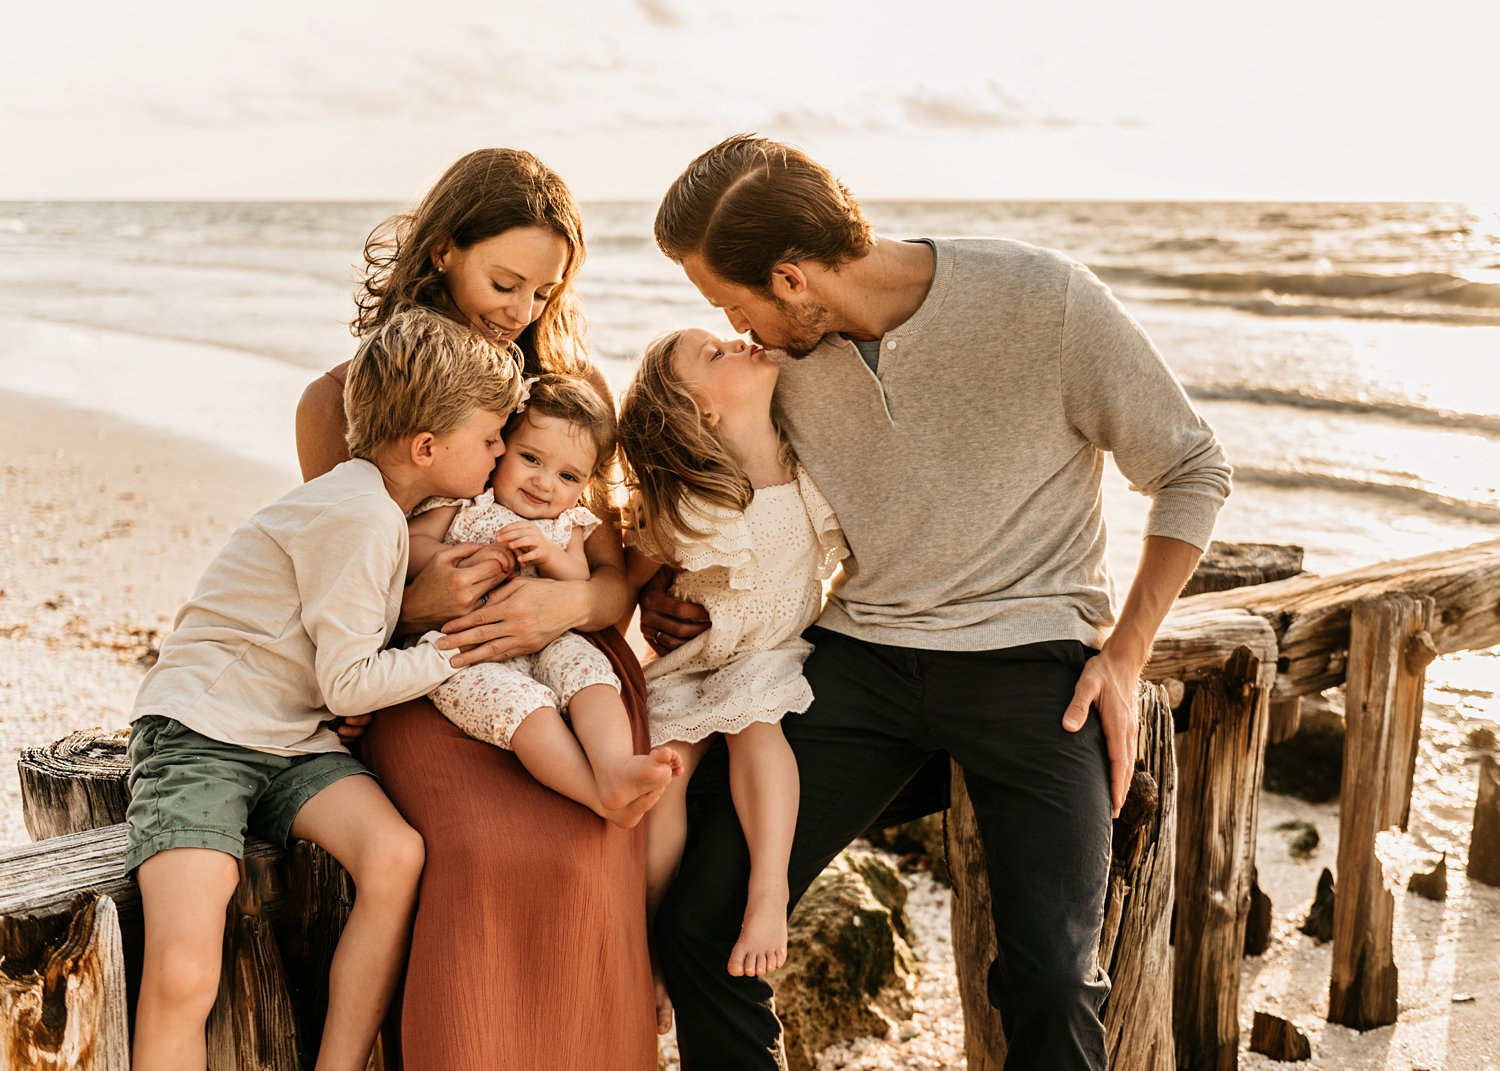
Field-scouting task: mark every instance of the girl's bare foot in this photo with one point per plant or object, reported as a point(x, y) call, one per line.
point(636, 784)
point(762, 944)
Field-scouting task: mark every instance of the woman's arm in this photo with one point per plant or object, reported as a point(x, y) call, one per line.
point(321, 425)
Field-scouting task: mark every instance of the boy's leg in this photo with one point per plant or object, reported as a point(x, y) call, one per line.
point(855, 749)
point(359, 827)
point(1041, 798)
point(763, 783)
point(185, 893)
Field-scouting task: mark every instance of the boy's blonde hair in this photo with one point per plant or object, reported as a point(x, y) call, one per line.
point(672, 457)
point(420, 371)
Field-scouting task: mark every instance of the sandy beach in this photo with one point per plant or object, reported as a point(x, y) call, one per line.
point(108, 524)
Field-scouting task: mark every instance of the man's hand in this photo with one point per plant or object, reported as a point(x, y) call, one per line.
point(454, 583)
point(1109, 685)
point(668, 623)
point(351, 727)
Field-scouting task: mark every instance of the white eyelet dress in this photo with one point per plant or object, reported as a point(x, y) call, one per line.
point(760, 576)
point(490, 700)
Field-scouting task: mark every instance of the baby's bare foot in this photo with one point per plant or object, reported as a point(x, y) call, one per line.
point(761, 948)
point(637, 784)
point(636, 776)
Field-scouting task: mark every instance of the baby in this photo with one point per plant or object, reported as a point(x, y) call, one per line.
point(560, 440)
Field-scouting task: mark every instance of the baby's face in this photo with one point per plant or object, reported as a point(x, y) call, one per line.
point(545, 467)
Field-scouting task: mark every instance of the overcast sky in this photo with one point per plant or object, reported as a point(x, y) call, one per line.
point(1157, 99)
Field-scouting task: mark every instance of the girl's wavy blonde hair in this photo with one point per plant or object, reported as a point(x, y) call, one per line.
point(485, 193)
point(672, 459)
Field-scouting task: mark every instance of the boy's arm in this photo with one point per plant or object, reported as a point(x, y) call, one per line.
point(426, 531)
point(346, 563)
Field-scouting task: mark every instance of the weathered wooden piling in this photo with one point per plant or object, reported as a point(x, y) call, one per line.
point(1389, 650)
point(1133, 939)
point(75, 783)
point(62, 990)
point(1484, 841)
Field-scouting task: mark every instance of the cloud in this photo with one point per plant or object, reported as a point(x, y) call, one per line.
point(660, 13)
point(990, 107)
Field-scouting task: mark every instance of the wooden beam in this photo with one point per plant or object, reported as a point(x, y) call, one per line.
point(1310, 615)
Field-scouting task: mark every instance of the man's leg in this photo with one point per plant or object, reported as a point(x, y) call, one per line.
point(855, 748)
point(1041, 797)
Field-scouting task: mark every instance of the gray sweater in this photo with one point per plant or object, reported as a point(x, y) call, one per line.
point(966, 473)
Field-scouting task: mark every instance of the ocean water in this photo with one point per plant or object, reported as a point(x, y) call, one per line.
point(1348, 355)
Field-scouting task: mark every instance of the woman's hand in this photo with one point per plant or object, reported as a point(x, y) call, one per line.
point(668, 623)
point(453, 584)
point(520, 618)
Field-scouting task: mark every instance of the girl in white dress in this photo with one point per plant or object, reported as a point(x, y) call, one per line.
point(718, 496)
point(559, 709)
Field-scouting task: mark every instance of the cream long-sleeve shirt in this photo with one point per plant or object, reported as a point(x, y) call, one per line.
point(965, 469)
point(288, 626)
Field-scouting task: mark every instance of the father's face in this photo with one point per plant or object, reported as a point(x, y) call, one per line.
point(771, 322)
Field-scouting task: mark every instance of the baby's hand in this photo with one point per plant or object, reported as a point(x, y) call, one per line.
point(526, 542)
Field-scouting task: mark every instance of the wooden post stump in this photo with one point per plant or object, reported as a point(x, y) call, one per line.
point(1389, 649)
point(1220, 758)
point(62, 990)
point(1484, 842)
point(252, 1025)
point(1134, 937)
point(1225, 566)
point(76, 783)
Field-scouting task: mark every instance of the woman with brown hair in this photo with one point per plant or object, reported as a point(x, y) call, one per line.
point(529, 948)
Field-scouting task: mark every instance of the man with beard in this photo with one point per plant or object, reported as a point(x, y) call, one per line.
point(955, 400)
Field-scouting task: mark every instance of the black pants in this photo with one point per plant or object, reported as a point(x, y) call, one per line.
point(1041, 795)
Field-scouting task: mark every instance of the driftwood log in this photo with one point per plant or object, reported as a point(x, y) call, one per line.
point(1388, 656)
point(76, 783)
point(62, 990)
point(1484, 842)
point(1237, 565)
point(1310, 615)
point(1134, 938)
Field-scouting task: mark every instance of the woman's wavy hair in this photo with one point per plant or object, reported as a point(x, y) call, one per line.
point(485, 193)
point(750, 203)
point(672, 458)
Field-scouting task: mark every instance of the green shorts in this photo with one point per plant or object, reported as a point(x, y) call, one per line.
point(190, 791)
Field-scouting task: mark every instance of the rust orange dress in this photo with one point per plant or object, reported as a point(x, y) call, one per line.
point(529, 950)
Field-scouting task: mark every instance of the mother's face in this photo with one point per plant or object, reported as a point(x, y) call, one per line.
point(502, 283)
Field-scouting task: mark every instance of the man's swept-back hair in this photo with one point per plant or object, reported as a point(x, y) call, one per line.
point(483, 194)
point(750, 203)
point(674, 462)
point(421, 371)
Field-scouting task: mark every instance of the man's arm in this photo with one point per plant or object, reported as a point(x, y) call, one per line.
point(1110, 679)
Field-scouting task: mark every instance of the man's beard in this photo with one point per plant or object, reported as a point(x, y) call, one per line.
point(804, 327)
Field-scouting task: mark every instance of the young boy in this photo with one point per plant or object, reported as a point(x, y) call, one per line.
point(287, 630)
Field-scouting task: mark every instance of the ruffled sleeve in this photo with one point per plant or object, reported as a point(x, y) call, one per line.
point(486, 498)
point(581, 519)
point(729, 543)
point(832, 547)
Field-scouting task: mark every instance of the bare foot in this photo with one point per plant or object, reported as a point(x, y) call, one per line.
point(663, 1003)
point(634, 786)
point(762, 944)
